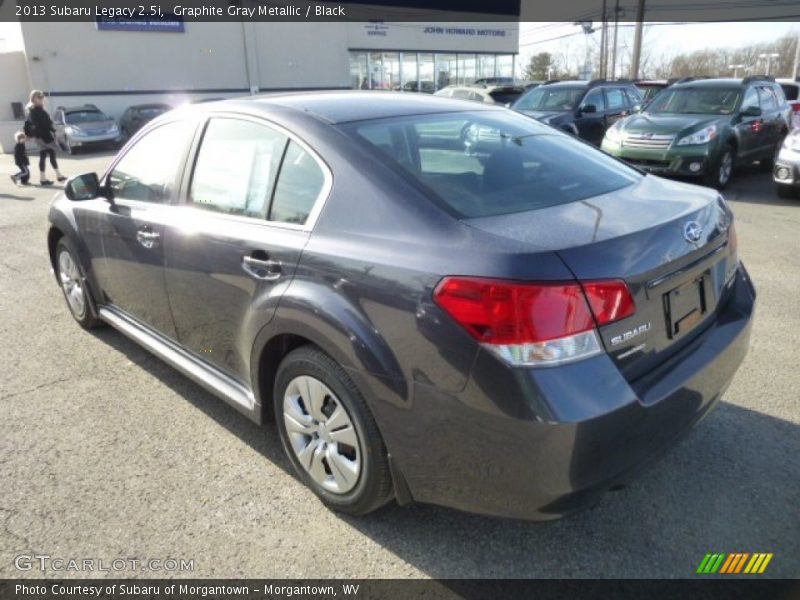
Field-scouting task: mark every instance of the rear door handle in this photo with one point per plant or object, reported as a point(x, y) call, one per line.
point(264, 269)
point(148, 239)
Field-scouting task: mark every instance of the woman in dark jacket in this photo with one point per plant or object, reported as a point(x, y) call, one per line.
point(43, 130)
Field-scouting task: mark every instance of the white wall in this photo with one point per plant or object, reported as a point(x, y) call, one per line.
point(15, 88)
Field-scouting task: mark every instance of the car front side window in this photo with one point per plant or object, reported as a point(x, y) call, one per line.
point(615, 99)
point(148, 171)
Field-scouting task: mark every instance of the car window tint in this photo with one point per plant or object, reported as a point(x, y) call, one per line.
point(615, 99)
point(595, 97)
point(767, 99)
point(300, 183)
point(493, 162)
point(85, 116)
point(236, 167)
point(634, 97)
point(149, 169)
point(750, 99)
point(790, 90)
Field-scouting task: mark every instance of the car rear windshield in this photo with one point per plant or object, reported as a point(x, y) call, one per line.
point(84, 116)
point(551, 98)
point(494, 162)
point(696, 101)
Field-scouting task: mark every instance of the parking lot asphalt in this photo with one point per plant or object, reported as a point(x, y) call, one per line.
point(106, 452)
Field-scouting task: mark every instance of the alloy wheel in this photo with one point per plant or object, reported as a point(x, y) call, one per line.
point(322, 435)
point(725, 168)
point(72, 284)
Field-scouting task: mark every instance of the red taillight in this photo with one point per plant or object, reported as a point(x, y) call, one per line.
point(507, 312)
point(795, 106)
point(609, 300)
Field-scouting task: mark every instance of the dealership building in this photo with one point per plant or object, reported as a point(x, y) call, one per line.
point(117, 64)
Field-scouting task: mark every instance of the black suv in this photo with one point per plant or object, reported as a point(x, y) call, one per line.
point(582, 108)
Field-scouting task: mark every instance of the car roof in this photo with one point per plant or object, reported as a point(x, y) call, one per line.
point(355, 105)
point(721, 82)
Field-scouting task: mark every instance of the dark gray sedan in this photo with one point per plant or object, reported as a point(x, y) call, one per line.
point(510, 325)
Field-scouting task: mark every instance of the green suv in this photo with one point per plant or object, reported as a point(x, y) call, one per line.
point(703, 128)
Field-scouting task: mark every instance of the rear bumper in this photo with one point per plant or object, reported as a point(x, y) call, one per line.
point(541, 443)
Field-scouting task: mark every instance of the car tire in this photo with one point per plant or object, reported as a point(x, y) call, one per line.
point(719, 175)
point(346, 465)
point(789, 192)
point(766, 164)
point(73, 285)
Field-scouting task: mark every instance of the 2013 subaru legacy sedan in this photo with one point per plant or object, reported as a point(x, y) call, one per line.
point(438, 301)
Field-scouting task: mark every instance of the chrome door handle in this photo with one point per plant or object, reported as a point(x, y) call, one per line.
point(148, 239)
point(265, 269)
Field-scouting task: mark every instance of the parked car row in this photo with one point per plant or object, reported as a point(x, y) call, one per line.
point(86, 126)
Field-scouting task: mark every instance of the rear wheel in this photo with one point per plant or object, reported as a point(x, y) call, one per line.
point(720, 172)
point(73, 285)
point(329, 434)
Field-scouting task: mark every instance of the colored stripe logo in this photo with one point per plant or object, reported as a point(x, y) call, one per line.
point(737, 562)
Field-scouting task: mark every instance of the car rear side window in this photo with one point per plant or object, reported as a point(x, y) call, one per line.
point(767, 98)
point(147, 172)
point(236, 167)
point(300, 183)
point(790, 90)
point(490, 163)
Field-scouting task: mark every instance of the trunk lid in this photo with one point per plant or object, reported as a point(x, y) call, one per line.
point(639, 234)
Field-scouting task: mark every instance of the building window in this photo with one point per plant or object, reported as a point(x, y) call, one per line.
point(409, 79)
point(446, 70)
point(358, 71)
point(505, 65)
point(485, 66)
point(466, 68)
point(426, 81)
point(424, 71)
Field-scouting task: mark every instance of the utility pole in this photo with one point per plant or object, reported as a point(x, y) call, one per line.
point(796, 57)
point(603, 50)
point(637, 41)
point(614, 53)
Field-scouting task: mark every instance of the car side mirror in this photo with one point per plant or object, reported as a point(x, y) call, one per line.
point(86, 187)
point(588, 109)
point(751, 111)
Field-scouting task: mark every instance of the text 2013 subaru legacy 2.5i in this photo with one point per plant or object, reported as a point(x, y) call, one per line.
point(509, 325)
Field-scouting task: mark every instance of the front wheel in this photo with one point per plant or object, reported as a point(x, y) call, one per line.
point(329, 434)
point(720, 172)
point(73, 285)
